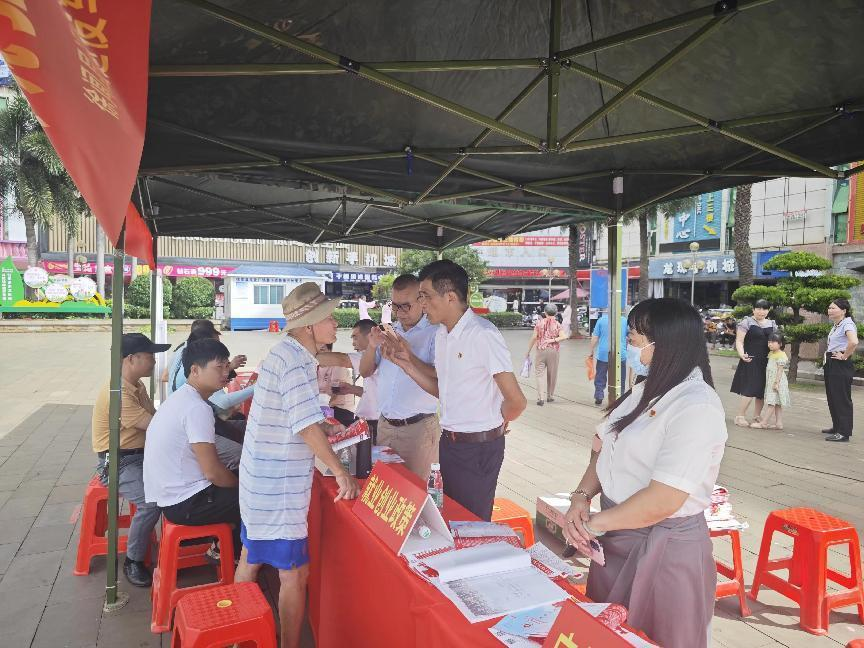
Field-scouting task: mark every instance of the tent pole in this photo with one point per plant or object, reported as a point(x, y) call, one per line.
point(613, 230)
point(154, 279)
point(113, 598)
point(554, 76)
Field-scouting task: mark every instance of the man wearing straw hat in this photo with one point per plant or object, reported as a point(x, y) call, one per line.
point(285, 432)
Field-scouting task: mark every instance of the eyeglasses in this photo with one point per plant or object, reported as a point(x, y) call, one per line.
point(403, 307)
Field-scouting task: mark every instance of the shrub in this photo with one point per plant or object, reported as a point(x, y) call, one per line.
point(193, 298)
point(137, 302)
point(505, 319)
point(347, 317)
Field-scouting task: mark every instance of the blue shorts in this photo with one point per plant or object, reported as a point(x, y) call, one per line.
point(281, 554)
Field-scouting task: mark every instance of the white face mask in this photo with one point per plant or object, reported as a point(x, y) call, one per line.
point(634, 359)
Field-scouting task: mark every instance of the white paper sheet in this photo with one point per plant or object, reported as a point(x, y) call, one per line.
point(479, 561)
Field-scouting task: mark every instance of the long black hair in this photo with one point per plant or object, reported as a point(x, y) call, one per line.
point(676, 329)
point(844, 304)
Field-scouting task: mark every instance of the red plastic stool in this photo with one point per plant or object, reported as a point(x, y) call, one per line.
point(813, 532)
point(855, 643)
point(735, 572)
point(94, 525)
point(223, 616)
point(514, 516)
point(172, 558)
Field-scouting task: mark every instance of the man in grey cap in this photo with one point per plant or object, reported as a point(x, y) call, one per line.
point(139, 359)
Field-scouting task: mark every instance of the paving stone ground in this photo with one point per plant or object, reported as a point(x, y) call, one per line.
point(50, 380)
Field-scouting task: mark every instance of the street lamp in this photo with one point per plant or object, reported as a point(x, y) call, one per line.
point(694, 266)
point(551, 261)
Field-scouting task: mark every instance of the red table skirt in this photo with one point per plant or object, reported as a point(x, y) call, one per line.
point(362, 594)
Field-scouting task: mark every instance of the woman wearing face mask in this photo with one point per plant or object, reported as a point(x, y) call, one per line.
point(637, 371)
point(751, 342)
point(655, 471)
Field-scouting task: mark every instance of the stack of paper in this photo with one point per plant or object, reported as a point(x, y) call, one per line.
point(473, 533)
point(492, 580)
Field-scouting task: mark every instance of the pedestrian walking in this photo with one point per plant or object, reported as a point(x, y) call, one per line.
point(839, 369)
point(776, 384)
point(600, 351)
point(751, 342)
point(547, 336)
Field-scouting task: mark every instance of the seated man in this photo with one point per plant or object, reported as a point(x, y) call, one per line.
point(139, 359)
point(183, 472)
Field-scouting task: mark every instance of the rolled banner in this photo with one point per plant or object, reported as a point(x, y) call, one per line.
point(613, 616)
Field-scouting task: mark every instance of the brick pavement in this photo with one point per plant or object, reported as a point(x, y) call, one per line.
point(45, 460)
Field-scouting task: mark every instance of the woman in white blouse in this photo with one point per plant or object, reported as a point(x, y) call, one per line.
point(655, 461)
point(839, 369)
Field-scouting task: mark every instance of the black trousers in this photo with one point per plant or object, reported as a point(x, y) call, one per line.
point(212, 505)
point(838, 389)
point(470, 472)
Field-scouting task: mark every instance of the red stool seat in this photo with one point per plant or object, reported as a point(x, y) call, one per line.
point(222, 616)
point(94, 525)
point(734, 572)
point(172, 558)
point(506, 512)
point(813, 533)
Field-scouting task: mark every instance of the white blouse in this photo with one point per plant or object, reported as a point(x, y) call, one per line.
point(679, 441)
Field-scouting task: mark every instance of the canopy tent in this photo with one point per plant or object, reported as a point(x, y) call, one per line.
point(426, 124)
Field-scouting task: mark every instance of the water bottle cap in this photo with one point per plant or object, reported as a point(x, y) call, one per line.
point(436, 466)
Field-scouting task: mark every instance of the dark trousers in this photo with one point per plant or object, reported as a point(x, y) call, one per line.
point(212, 505)
point(838, 389)
point(373, 430)
point(601, 378)
point(470, 472)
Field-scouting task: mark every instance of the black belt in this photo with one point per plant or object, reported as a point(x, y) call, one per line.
point(123, 452)
point(406, 421)
point(475, 437)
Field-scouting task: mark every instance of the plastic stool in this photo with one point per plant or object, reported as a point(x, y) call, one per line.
point(94, 525)
point(172, 558)
point(855, 643)
point(735, 573)
point(514, 516)
point(223, 616)
point(813, 532)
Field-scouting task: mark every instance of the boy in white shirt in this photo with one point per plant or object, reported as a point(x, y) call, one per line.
point(183, 472)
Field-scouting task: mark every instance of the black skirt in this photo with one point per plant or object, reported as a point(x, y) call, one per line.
point(749, 379)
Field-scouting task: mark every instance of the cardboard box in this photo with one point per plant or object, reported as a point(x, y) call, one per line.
point(550, 513)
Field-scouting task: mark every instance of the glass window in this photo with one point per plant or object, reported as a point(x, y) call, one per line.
point(262, 294)
point(277, 292)
point(268, 293)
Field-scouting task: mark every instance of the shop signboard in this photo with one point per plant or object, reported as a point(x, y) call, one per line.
point(600, 288)
point(357, 277)
point(584, 245)
point(702, 223)
point(393, 501)
point(718, 267)
point(531, 250)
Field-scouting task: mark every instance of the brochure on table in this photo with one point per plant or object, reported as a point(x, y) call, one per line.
point(394, 505)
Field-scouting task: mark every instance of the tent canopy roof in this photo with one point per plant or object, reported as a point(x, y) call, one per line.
point(271, 271)
point(422, 124)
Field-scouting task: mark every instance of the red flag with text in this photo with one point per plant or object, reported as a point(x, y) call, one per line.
point(83, 66)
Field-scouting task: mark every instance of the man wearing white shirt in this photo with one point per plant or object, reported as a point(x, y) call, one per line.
point(363, 306)
point(409, 421)
point(183, 472)
point(473, 378)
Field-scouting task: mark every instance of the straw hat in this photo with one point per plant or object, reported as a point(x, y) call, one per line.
point(306, 305)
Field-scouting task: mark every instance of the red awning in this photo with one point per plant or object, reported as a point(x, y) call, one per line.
point(83, 66)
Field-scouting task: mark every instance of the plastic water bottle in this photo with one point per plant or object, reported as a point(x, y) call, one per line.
point(345, 459)
point(435, 486)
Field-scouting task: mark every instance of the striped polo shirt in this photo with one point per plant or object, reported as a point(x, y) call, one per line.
point(276, 465)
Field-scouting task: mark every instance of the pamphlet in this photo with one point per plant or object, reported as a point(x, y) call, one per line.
point(544, 559)
point(492, 580)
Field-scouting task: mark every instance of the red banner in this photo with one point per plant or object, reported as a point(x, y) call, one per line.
point(575, 628)
point(83, 66)
point(390, 503)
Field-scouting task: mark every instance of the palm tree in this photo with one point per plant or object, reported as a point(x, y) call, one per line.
point(31, 172)
point(741, 235)
point(673, 206)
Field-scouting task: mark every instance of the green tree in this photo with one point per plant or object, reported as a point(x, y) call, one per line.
point(31, 172)
point(412, 261)
point(805, 289)
point(137, 302)
point(193, 298)
point(382, 290)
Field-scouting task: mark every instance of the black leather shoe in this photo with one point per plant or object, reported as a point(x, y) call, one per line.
point(550, 400)
point(828, 431)
point(597, 401)
point(540, 403)
point(837, 437)
point(137, 573)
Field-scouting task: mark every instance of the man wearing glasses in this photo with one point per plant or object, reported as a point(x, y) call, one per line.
point(409, 421)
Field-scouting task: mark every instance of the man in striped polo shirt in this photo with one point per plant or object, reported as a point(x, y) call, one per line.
point(284, 434)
